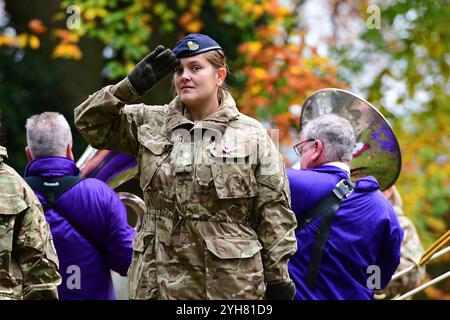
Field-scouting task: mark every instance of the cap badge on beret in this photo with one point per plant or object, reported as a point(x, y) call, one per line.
point(192, 45)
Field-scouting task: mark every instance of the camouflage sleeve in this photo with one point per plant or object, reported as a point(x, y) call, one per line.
point(411, 251)
point(106, 122)
point(36, 254)
point(276, 222)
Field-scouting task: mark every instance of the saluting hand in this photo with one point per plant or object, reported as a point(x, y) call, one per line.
point(152, 68)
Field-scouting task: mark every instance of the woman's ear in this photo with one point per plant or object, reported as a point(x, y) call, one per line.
point(221, 75)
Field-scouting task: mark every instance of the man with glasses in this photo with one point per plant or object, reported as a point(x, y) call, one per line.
point(348, 236)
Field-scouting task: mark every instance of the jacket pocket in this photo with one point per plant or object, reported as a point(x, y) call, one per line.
point(142, 272)
point(10, 207)
point(233, 175)
point(154, 150)
point(11, 281)
point(234, 268)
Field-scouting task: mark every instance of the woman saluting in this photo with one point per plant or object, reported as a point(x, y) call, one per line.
point(218, 223)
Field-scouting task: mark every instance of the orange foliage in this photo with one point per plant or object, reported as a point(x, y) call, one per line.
point(37, 26)
point(253, 9)
point(22, 41)
point(190, 19)
point(64, 35)
point(6, 40)
point(278, 74)
point(191, 22)
point(67, 50)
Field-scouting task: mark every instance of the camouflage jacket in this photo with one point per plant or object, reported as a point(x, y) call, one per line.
point(411, 252)
point(28, 261)
point(218, 222)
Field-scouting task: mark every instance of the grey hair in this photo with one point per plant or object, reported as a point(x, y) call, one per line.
point(336, 134)
point(48, 134)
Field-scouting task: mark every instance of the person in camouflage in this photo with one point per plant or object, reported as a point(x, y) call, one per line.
point(411, 251)
point(218, 223)
point(28, 261)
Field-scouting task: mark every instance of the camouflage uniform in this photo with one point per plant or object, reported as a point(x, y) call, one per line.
point(28, 262)
point(411, 251)
point(218, 222)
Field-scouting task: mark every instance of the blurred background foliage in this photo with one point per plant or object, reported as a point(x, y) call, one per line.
point(53, 54)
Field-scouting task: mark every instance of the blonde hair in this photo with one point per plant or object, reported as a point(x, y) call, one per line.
point(218, 60)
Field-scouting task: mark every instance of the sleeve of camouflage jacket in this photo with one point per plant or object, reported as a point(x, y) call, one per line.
point(106, 122)
point(389, 255)
point(411, 251)
point(35, 252)
point(276, 222)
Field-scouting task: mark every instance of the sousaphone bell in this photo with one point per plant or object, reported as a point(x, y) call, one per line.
point(377, 152)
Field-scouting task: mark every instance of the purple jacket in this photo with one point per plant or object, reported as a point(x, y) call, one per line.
point(364, 232)
point(99, 214)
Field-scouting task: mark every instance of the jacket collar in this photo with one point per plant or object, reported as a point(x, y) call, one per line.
point(51, 167)
point(178, 115)
point(340, 165)
point(341, 173)
point(365, 184)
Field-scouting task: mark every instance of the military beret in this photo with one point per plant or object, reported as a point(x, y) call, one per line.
point(193, 44)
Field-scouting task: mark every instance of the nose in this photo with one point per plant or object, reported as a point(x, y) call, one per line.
point(185, 75)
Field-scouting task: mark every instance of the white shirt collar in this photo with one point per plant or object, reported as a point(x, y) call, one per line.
point(340, 165)
point(296, 165)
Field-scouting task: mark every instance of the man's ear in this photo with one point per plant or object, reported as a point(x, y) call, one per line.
point(69, 151)
point(28, 154)
point(318, 149)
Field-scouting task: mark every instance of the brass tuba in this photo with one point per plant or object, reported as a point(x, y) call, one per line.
point(377, 152)
point(114, 168)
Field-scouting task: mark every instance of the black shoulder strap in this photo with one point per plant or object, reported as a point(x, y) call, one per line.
point(326, 208)
point(342, 190)
point(51, 189)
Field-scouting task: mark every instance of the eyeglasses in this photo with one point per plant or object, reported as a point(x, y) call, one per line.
point(297, 148)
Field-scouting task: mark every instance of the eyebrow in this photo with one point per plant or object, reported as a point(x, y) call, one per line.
point(194, 61)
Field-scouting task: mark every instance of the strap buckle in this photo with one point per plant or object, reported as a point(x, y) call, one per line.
point(343, 189)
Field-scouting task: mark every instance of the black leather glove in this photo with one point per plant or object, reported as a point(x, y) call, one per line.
point(152, 68)
point(280, 291)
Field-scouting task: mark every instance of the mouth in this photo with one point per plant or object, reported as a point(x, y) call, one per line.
point(186, 87)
